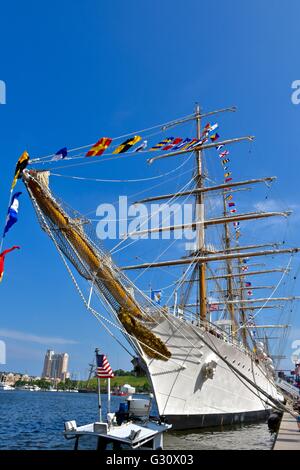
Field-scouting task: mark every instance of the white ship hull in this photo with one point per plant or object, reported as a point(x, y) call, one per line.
point(188, 397)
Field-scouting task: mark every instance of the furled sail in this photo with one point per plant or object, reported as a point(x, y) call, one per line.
point(92, 263)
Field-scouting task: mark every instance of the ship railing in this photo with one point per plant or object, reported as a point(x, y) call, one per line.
point(192, 318)
point(222, 334)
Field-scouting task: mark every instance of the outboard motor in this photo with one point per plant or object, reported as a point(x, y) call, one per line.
point(122, 414)
point(139, 408)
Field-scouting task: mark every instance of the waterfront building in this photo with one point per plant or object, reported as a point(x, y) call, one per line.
point(55, 366)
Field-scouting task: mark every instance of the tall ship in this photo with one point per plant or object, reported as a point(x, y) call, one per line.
point(207, 341)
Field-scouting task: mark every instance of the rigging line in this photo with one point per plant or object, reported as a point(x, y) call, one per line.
point(137, 240)
point(114, 249)
point(63, 258)
point(158, 308)
point(162, 269)
point(239, 377)
point(183, 327)
point(215, 349)
point(113, 336)
point(111, 308)
point(197, 348)
point(147, 189)
point(82, 155)
point(96, 160)
point(98, 180)
point(162, 288)
point(190, 266)
point(131, 133)
point(107, 305)
point(69, 270)
point(120, 181)
point(273, 292)
point(83, 297)
point(133, 338)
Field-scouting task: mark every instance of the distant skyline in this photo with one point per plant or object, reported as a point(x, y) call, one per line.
point(75, 71)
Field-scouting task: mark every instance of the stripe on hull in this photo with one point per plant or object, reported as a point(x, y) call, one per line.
point(182, 422)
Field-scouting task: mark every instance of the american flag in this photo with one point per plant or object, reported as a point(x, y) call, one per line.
point(103, 369)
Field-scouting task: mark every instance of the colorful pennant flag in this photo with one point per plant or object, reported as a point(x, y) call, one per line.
point(60, 154)
point(2, 259)
point(183, 144)
point(219, 147)
point(214, 137)
point(232, 211)
point(224, 154)
point(122, 148)
point(20, 167)
point(225, 160)
point(12, 214)
point(99, 147)
point(227, 180)
point(206, 128)
point(248, 284)
point(195, 143)
point(231, 204)
point(141, 147)
point(227, 174)
point(214, 127)
point(162, 143)
point(210, 128)
point(190, 144)
point(249, 293)
point(172, 144)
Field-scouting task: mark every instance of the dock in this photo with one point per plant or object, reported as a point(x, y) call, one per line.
point(288, 437)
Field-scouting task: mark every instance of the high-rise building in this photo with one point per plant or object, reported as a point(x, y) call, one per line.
point(56, 365)
point(47, 363)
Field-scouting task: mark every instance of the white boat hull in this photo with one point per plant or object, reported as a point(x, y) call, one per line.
point(188, 397)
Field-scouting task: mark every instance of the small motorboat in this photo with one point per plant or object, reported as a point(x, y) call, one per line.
point(131, 427)
point(6, 387)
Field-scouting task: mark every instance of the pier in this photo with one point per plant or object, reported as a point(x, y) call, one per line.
point(288, 437)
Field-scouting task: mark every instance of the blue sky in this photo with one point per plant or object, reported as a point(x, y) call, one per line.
point(76, 71)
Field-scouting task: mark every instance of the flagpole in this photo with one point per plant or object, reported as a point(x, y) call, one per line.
point(99, 390)
point(108, 395)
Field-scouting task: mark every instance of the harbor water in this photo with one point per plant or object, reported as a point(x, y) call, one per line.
point(35, 420)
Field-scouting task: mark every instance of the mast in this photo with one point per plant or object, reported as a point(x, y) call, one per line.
point(242, 307)
point(201, 267)
point(230, 296)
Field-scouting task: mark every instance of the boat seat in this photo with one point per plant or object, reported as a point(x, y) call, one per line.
point(100, 428)
point(70, 426)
